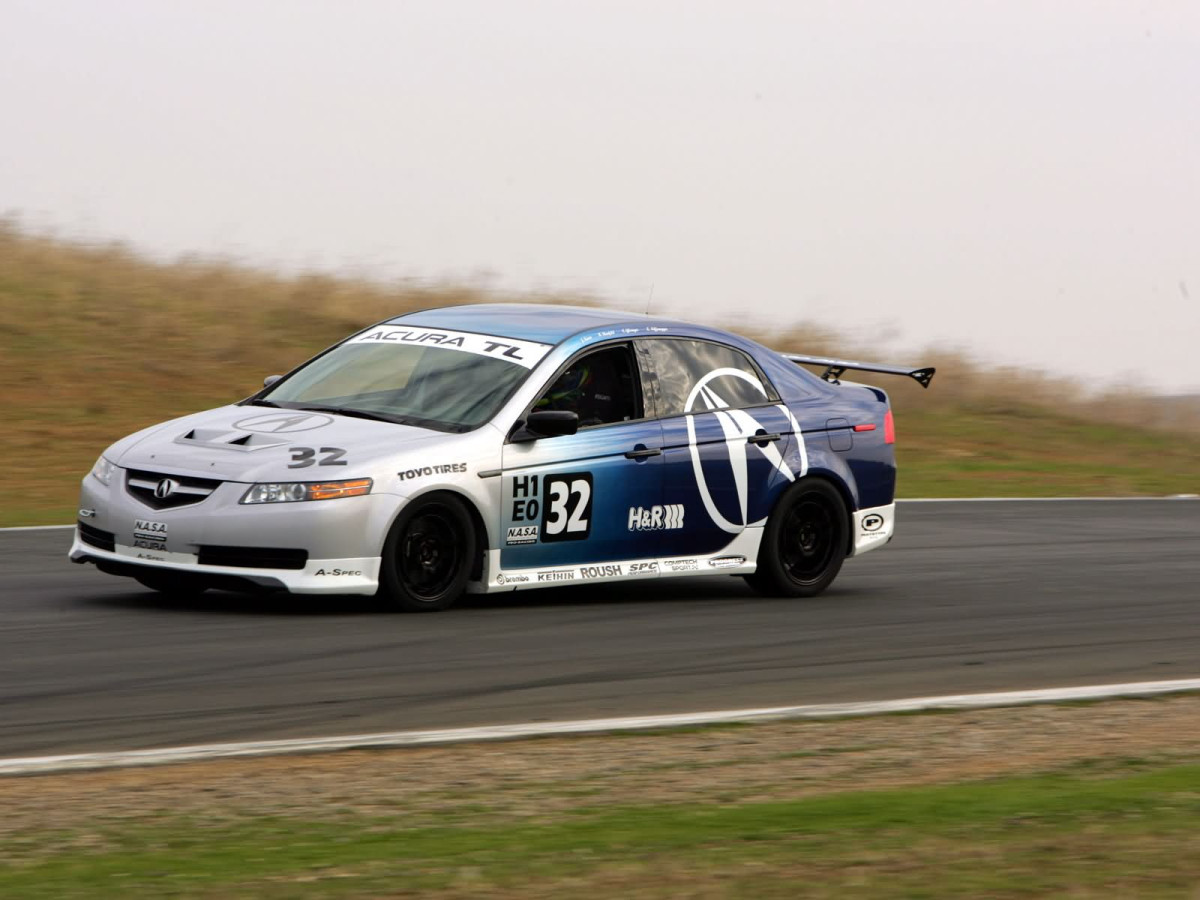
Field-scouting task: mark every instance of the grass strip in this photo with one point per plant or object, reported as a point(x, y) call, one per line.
point(1079, 831)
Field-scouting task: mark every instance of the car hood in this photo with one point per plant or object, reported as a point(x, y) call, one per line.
point(254, 444)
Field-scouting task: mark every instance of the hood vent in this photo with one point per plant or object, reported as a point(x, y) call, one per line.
point(226, 439)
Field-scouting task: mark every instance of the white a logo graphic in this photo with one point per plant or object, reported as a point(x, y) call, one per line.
point(738, 425)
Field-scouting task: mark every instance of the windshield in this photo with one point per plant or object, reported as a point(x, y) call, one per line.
point(444, 388)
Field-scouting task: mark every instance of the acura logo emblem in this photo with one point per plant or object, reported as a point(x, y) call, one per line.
point(165, 488)
point(283, 422)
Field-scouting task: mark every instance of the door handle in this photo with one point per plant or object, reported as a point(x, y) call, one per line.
point(643, 453)
point(762, 438)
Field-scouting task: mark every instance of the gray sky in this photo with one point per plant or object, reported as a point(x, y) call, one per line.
point(1018, 178)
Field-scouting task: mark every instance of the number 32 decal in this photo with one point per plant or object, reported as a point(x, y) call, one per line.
point(568, 507)
point(303, 457)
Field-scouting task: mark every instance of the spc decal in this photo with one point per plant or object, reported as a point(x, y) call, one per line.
point(656, 518)
point(643, 568)
point(446, 469)
point(303, 457)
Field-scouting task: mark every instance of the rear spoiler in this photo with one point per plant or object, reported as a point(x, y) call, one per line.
point(835, 367)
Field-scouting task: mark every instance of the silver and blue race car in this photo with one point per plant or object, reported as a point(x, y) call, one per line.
point(501, 447)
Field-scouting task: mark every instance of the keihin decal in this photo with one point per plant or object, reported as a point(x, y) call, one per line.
point(656, 518)
point(524, 353)
point(557, 575)
point(738, 425)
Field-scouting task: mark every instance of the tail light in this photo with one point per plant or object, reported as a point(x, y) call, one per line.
point(889, 428)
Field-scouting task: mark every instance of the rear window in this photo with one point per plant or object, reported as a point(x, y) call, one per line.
point(695, 376)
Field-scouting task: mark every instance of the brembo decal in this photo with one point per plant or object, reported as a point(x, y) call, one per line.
point(738, 425)
point(524, 353)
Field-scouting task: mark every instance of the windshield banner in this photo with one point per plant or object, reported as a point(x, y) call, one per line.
point(523, 353)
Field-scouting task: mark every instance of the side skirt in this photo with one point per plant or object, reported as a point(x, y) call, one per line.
point(739, 557)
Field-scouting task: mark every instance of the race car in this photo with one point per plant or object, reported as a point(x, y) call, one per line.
point(501, 447)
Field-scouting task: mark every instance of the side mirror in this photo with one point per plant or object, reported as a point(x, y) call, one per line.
point(270, 380)
point(546, 423)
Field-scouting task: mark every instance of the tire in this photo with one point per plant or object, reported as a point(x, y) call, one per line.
point(173, 584)
point(428, 554)
point(804, 543)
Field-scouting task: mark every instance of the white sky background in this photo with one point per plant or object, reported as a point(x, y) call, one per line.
point(1021, 179)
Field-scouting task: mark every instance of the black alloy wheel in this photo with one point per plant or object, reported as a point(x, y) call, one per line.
point(804, 543)
point(428, 554)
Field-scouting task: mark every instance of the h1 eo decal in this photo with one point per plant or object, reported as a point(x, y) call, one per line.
point(564, 502)
point(738, 425)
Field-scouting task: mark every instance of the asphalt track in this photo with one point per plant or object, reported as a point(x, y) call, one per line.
point(970, 596)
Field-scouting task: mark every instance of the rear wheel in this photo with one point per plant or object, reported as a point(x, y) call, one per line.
point(804, 542)
point(175, 584)
point(428, 553)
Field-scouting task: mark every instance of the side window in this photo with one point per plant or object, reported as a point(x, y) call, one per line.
point(694, 376)
point(601, 387)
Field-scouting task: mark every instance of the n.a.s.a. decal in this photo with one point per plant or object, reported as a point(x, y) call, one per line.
point(560, 505)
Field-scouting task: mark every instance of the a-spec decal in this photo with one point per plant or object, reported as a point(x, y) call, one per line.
point(560, 505)
point(738, 425)
point(523, 353)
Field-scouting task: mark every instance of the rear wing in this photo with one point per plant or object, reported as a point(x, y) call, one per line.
point(835, 367)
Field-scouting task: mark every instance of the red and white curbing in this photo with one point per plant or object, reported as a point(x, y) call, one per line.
point(43, 765)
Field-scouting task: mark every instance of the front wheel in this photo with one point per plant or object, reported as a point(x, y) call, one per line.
point(427, 555)
point(804, 542)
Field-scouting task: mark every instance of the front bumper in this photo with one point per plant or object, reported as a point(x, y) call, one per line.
point(333, 545)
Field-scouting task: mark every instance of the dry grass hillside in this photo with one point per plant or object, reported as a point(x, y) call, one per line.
point(96, 342)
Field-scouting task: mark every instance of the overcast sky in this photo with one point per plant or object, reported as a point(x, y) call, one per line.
point(1018, 178)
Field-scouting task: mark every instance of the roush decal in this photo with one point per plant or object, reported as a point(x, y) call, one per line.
point(604, 571)
point(738, 425)
point(524, 353)
point(656, 518)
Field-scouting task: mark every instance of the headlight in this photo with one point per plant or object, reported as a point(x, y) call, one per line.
point(103, 470)
point(293, 491)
